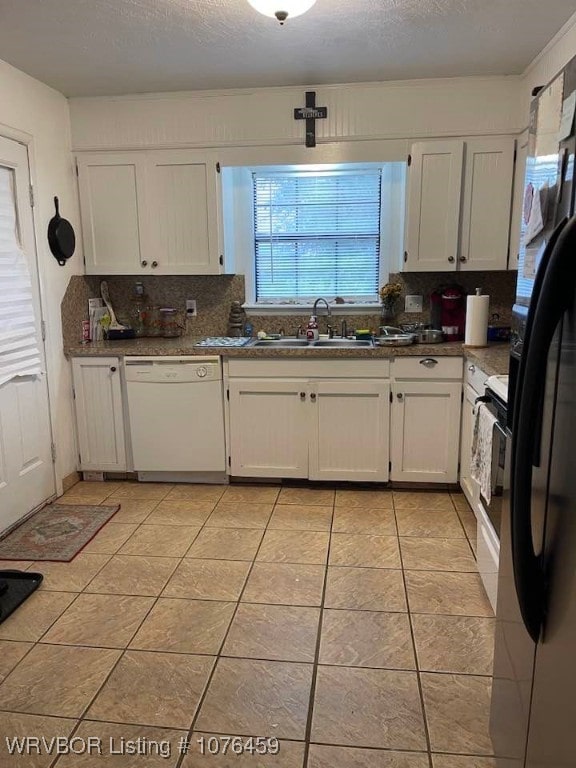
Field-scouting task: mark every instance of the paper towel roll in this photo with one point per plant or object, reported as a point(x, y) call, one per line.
point(476, 321)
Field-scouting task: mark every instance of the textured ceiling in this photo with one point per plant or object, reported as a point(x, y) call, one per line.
point(93, 47)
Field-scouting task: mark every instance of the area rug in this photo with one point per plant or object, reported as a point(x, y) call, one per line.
point(57, 532)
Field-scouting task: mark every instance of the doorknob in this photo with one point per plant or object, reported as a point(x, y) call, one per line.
point(463, 258)
point(154, 264)
point(313, 397)
point(451, 259)
point(400, 396)
point(302, 395)
point(144, 263)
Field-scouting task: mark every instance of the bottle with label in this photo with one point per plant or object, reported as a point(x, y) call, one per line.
point(312, 329)
point(138, 310)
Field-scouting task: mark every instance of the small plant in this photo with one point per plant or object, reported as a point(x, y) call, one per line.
point(390, 292)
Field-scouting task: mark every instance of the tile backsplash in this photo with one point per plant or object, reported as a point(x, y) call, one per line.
point(215, 293)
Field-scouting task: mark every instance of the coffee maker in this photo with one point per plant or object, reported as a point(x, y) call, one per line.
point(448, 311)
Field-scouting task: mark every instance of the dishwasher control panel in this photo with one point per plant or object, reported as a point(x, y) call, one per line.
point(173, 370)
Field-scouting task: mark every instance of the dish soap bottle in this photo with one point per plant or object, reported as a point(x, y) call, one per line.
point(312, 329)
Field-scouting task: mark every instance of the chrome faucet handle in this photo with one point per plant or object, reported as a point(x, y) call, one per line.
point(330, 331)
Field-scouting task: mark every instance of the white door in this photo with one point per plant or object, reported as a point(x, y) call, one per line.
point(433, 216)
point(183, 200)
point(99, 413)
point(269, 427)
point(425, 431)
point(487, 201)
point(26, 468)
point(113, 207)
point(350, 430)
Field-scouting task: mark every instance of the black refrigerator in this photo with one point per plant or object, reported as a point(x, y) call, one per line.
point(533, 712)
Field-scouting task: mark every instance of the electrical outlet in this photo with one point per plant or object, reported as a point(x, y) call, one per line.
point(191, 310)
point(413, 304)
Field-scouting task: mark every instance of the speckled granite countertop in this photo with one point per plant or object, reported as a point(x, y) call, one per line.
point(492, 359)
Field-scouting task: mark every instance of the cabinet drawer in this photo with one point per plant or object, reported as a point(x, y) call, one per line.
point(427, 367)
point(347, 368)
point(475, 377)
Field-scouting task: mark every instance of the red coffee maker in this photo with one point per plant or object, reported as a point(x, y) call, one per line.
point(448, 311)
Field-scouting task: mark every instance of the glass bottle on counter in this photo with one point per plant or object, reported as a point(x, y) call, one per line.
point(138, 311)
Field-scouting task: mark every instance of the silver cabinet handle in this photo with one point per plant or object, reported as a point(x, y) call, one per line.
point(400, 396)
point(429, 362)
point(472, 368)
point(451, 259)
point(144, 263)
point(302, 395)
point(313, 397)
point(154, 264)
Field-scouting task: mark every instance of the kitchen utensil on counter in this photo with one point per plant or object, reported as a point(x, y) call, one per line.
point(61, 237)
point(105, 293)
point(393, 337)
point(169, 322)
point(429, 336)
point(477, 307)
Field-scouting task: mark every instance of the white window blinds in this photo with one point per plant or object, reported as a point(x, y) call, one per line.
point(317, 234)
point(19, 352)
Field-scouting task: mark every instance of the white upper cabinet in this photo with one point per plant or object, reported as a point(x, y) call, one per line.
point(459, 205)
point(113, 205)
point(434, 193)
point(150, 212)
point(487, 201)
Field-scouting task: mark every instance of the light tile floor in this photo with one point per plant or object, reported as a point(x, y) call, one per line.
point(350, 625)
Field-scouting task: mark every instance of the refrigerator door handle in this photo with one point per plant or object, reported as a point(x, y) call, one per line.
point(555, 297)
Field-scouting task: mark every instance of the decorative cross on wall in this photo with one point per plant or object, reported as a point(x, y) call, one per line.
point(310, 113)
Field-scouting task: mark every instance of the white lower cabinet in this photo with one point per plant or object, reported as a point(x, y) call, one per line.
point(320, 429)
point(99, 413)
point(268, 427)
point(425, 431)
point(349, 428)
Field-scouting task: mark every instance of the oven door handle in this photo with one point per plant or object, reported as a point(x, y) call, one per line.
point(554, 299)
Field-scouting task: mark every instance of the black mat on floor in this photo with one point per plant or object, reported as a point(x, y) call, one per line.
point(15, 587)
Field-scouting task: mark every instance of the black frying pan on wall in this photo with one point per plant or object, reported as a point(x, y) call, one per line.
point(61, 237)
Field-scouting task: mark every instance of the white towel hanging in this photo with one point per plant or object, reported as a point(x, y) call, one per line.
point(481, 462)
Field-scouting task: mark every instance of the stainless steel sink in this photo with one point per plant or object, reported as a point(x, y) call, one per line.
point(343, 343)
point(275, 343)
point(311, 345)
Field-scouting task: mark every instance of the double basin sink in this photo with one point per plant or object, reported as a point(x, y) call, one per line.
point(293, 343)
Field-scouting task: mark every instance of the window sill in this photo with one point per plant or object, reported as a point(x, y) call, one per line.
point(306, 308)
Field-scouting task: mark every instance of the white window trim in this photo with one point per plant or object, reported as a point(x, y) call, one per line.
point(239, 236)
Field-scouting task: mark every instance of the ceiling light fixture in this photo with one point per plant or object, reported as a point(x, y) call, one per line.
point(282, 9)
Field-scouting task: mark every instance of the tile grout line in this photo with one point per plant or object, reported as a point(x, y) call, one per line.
point(418, 679)
point(316, 663)
point(218, 655)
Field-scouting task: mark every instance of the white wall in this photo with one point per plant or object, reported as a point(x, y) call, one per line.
point(29, 107)
point(264, 117)
point(548, 63)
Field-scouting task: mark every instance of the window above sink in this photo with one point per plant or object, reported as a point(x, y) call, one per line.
point(298, 232)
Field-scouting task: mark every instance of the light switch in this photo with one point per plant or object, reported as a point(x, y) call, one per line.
point(191, 310)
point(413, 304)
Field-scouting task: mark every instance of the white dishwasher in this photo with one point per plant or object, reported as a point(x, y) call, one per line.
point(176, 415)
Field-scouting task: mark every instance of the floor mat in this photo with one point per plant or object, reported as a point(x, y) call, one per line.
point(15, 587)
point(57, 532)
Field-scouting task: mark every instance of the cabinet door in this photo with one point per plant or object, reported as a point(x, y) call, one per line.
point(517, 225)
point(269, 427)
point(434, 192)
point(112, 202)
point(183, 199)
point(350, 430)
point(99, 413)
point(425, 431)
point(487, 202)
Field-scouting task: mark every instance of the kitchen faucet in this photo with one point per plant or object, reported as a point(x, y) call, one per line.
point(315, 309)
